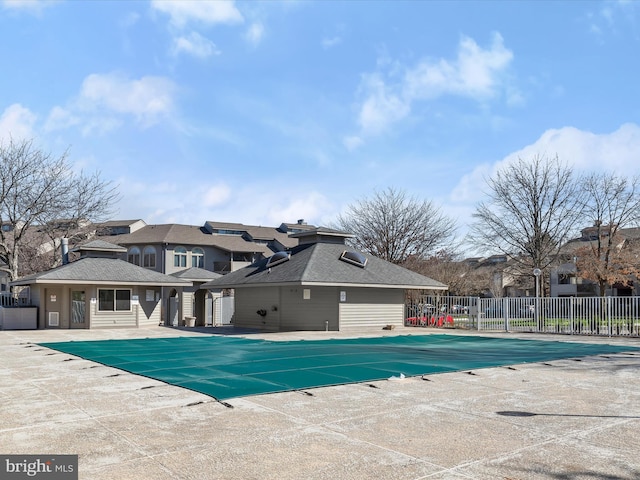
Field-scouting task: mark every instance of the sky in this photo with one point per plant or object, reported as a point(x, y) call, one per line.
point(265, 112)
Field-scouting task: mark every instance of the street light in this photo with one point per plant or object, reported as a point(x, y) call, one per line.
point(537, 272)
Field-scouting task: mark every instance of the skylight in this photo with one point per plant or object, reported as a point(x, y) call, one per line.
point(278, 258)
point(354, 258)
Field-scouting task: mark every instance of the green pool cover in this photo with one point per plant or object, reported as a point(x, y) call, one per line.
point(227, 367)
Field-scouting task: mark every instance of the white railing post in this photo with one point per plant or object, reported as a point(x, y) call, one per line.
point(505, 312)
point(609, 301)
point(571, 306)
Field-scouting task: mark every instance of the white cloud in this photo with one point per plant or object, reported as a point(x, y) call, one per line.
point(352, 142)
point(145, 98)
point(617, 152)
point(105, 102)
point(612, 17)
point(209, 12)
point(61, 118)
point(34, 7)
point(216, 195)
point(250, 204)
point(17, 122)
point(381, 107)
point(129, 20)
point(329, 42)
point(586, 151)
point(476, 73)
point(255, 33)
point(194, 44)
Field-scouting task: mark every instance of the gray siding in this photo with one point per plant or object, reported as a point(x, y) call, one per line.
point(249, 301)
point(371, 307)
point(298, 313)
point(288, 309)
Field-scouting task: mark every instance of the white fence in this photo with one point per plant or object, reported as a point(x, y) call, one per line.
point(611, 316)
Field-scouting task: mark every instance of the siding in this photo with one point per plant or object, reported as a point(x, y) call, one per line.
point(153, 315)
point(371, 307)
point(313, 313)
point(187, 305)
point(249, 300)
point(287, 309)
point(370, 315)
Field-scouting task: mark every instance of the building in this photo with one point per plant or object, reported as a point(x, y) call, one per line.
point(565, 279)
point(98, 290)
point(219, 247)
point(321, 284)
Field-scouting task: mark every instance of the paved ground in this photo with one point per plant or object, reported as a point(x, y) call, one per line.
point(563, 420)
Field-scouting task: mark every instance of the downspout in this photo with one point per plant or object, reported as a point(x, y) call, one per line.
point(163, 311)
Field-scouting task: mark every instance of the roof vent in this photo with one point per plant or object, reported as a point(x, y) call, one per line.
point(278, 258)
point(354, 258)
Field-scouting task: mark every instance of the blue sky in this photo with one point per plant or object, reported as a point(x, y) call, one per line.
point(268, 112)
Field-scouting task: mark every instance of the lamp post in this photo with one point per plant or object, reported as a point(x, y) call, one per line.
point(537, 272)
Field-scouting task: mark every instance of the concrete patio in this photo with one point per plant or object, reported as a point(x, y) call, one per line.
point(564, 419)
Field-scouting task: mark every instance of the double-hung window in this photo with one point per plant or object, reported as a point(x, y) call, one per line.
point(133, 256)
point(180, 257)
point(197, 258)
point(149, 257)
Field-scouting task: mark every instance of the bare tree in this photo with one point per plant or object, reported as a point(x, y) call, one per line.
point(40, 194)
point(394, 227)
point(612, 204)
point(532, 210)
point(445, 267)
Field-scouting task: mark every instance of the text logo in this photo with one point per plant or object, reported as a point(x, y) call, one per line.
point(49, 467)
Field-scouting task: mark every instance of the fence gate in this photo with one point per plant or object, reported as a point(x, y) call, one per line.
point(223, 309)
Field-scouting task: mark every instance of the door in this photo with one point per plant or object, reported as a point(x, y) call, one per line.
point(78, 309)
point(52, 308)
point(173, 311)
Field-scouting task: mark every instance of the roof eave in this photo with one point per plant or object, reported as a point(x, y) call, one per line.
point(44, 281)
point(325, 284)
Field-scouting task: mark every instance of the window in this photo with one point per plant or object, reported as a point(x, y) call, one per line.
point(354, 258)
point(180, 257)
point(133, 256)
point(566, 278)
point(149, 257)
point(197, 258)
point(114, 300)
point(277, 258)
point(241, 257)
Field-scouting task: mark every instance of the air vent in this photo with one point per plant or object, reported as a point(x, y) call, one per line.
point(54, 319)
point(354, 258)
point(278, 258)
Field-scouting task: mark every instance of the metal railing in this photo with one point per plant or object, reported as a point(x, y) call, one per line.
point(610, 316)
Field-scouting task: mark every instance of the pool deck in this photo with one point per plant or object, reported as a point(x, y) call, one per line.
point(564, 420)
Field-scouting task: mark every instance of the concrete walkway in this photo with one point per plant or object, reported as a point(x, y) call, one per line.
point(561, 420)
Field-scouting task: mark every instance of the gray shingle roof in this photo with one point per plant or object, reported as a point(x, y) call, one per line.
point(100, 246)
point(320, 264)
point(102, 271)
point(195, 274)
point(189, 235)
